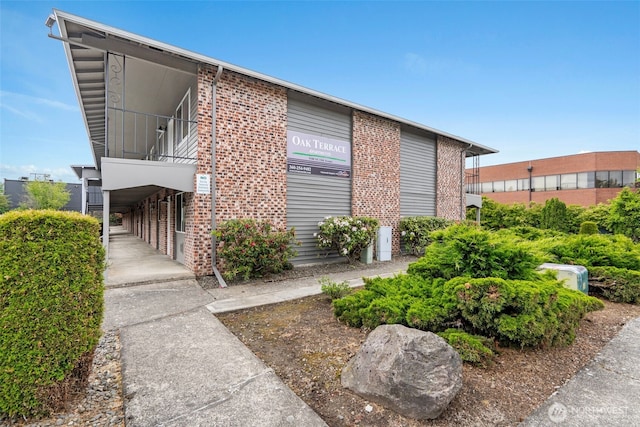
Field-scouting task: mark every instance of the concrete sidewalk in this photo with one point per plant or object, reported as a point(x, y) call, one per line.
point(606, 392)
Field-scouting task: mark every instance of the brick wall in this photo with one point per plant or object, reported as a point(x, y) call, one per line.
point(376, 171)
point(450, 200)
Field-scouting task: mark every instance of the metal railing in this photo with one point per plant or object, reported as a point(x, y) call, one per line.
point(145, 136)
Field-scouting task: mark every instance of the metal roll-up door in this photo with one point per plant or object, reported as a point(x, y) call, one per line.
point(417, 175)
point(310, 197)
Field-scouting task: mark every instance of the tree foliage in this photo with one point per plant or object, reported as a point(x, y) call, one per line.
point(624, 214)
point(554, 215)
point(46, 195)
point(4, 200)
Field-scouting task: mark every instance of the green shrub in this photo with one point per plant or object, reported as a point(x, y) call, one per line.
point(516, 312)
point(615, 284)
point(554, 215)
point(334, 290)
point(595, 250)
point(51, 306)
point(416, 230)
point(624, 213)
point(473, 349)
point(589, 227)
point(347, 235)
point(598, 214)
point(463, 250)
point(251, 248)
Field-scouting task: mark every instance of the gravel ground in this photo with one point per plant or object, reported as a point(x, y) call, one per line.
point(100, 405)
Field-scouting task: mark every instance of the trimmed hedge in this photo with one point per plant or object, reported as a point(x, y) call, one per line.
point(51, 307)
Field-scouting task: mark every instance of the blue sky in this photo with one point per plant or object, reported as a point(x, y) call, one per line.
point(531, 79)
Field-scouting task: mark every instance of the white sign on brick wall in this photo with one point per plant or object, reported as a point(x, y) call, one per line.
point(203, 183)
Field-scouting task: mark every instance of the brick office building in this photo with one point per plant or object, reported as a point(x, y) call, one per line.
point(582, 179)
point(170, 128)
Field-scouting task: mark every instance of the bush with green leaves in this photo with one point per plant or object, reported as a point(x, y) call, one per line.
point(415, 231)
point(347, 235)
point(465, 250)
point(474, 349)
point(333, 289)
point(588, 227)
point(46, 195)
point(526, 313)
point(251, 248)
point(615, 284)
point(554, 215)
point(51, 307)
point(624, 213)
point(594, 250)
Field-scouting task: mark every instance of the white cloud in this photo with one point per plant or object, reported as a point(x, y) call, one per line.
point(64, 174)
point(30, 99)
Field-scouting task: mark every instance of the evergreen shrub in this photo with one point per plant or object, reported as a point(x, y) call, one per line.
point(51, 307)
point(251, 248)
point(464, 250)
point(615, 284)
point(415, 232)
point(589, 227)
point(474, 349)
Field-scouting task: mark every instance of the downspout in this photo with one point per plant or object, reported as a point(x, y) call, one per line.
point(463, 201)
point(214, 115)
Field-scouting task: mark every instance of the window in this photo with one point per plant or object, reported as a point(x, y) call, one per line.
point(523, 184)
point(487, 187)
point(551, 182)
point(182, 118)
point(511, 185)
point(615, 179)
point(498, 186)
point(569, 181)
point(628, 178)
point(602, 179)
point(586, 179)
point(537, 183)
point(180, 212)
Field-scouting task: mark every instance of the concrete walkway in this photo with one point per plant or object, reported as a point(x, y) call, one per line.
point(182, 367)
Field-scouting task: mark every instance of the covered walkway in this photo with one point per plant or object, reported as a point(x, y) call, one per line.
point(133, 261)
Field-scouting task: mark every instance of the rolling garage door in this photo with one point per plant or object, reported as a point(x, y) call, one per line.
point(417, 174)
point(318, 170)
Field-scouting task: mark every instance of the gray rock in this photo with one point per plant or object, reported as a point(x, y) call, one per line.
point(412, 372)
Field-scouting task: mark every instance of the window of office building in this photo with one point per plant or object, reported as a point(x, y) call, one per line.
point(551, 182)
point(537, 183)
point(511, 185)
point(586, 180)
point(569, 181)
point(523, 184)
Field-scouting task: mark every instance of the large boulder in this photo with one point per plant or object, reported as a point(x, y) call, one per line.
point(412, 372)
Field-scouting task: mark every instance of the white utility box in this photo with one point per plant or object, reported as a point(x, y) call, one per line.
point(383, 247)
point(575, 276)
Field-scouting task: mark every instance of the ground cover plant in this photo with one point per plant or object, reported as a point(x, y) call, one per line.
point(51, 305)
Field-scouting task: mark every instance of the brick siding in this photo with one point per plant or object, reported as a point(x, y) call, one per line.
point(450, 202)
point(376, 171)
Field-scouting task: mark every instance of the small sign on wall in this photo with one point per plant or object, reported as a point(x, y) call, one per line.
point(203, 183)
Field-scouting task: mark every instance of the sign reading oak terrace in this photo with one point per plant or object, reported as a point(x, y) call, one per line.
point(318, 155)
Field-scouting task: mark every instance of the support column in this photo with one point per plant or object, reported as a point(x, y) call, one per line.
point(85, 189)
point(105, 222)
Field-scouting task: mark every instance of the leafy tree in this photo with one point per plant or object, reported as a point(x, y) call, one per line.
point(554, 215)
point(4, 200)
point(46, 195)
point(624, 213)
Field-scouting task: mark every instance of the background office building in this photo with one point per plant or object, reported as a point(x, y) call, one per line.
point(582, 179)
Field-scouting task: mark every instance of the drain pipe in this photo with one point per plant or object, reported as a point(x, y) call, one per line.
point(214, 85)
point(463, 201)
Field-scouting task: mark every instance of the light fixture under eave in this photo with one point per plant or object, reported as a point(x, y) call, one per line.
point(51, 19)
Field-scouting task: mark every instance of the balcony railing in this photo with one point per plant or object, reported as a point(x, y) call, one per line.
point(144, 136)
